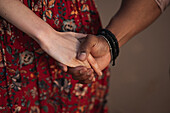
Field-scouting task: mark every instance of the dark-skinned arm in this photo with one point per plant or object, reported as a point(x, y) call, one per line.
point(132, 17)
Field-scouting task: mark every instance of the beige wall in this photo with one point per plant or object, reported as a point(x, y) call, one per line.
point(140, 81)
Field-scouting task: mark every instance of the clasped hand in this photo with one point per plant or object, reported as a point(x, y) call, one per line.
point(79, 54)
point(96, 51)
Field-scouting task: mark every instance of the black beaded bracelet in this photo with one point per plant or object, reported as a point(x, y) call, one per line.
point(113, 43)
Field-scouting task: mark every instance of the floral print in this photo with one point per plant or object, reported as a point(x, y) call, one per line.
point(30, 80)
point(69, 25)
point(34, 109)
point(26, 58)
point(34, 92)
point(63, 84)
point(80, 90)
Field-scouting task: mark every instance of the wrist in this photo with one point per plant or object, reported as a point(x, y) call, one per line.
point(112, 42)
point(45, 38)
point(43, 33)
point(106, 46)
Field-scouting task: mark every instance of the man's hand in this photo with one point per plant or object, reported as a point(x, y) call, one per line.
point(98, 47)
point(95, 49)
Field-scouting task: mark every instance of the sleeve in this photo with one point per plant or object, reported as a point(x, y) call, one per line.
point(163, 4)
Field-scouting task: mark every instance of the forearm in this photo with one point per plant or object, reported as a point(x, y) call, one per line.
point(23, 18)
point(132, 17)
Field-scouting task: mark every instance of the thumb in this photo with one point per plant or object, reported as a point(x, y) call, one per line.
point(86, 46)
point(94, 65)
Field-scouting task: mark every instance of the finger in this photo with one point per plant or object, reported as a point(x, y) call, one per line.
point(86, 47)
point(80, 76)
point(89, 80)
point(85, 75)
point(94, 65)
point(62, 67)
point(77, 71)
point(84, 82)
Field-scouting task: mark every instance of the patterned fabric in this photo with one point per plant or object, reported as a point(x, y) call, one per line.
point(30, 80)
point(163, 4)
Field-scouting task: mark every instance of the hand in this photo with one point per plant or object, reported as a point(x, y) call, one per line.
point(63, 47)
point(83, 74)
point(98, 47)
point(96, 50)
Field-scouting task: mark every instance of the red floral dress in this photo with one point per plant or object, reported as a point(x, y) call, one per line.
point(30, 80)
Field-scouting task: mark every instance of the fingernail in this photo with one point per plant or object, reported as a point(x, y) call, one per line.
point(81, 71)
point(100, 73)
point(91, 77)
point(65, 69)
point(88, 73)
point(82, 56)
point(94, 79)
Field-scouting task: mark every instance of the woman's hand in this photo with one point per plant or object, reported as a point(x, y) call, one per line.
point(60, 46)
point(63, 46)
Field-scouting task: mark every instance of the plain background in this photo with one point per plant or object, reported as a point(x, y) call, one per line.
point(140, 81)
